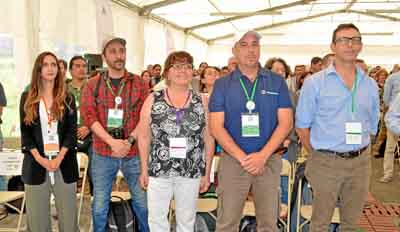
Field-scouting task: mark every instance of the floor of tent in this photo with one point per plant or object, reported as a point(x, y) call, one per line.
point(381, 214)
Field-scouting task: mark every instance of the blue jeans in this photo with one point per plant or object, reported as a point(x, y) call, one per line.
point(104, 171)
point(3, 183)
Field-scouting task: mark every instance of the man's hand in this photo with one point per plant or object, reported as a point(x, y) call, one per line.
point(144, 180)
point(254, 163)
point(82, 132)
point(120, 148)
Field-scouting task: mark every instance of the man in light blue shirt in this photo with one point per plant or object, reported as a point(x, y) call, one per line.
point(337, 113)
point(392, 118)
point(391, 90)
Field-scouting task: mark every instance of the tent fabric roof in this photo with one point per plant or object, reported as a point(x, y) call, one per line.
point(280, 21)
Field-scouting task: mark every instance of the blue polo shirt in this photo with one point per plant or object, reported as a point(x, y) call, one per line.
point(229, 97)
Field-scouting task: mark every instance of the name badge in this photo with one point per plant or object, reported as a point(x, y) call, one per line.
point(114, 119)
point(51, 145)
point(177, 148)
point(353, 132)
point(50, 140)
point(250, 125)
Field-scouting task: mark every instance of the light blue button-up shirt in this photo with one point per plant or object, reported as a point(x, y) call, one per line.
point(325, 105)
point(391, 88)
point(392, 117)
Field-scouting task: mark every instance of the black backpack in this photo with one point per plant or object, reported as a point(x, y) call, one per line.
point(248, 224)
point(15, 184)
point(121, 217)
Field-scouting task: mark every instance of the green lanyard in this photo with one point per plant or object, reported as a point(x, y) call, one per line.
point(253, 91)
point(353, 96)
point(121, 87)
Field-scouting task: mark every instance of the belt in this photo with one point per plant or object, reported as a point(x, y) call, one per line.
point(345, 155)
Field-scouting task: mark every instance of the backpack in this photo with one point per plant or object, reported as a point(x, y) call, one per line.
point(15, 184)
point(121, 217)
point(200, 224)
point(248, 224)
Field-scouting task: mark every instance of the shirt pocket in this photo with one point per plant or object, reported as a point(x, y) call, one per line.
point(330, 105)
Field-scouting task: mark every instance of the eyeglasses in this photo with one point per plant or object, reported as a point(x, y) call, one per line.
point(347, 40)
point(183, 66)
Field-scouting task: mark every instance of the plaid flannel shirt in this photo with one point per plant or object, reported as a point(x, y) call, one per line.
point(95, 109)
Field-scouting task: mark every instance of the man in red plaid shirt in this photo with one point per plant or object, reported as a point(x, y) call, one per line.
point(110, 107)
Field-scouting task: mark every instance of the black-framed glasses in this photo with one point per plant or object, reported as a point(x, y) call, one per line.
point(182, 66)
point(346, 40)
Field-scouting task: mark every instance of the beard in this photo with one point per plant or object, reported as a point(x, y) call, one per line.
point(117, 65)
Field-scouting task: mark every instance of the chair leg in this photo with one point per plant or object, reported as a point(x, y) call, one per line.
point(82, 194)
point(21, 213)
point(299, 190)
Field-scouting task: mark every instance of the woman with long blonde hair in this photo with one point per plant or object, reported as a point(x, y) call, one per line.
point(48, 141)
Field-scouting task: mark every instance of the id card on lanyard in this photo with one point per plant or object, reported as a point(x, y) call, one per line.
point(353, 128)
point(250, 121)
point(178, 144)
point(50, 135)
point(250, 125)
point(50, 138)
point(115, 116)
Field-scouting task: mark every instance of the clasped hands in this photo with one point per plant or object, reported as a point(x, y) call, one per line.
point(120, 147)
point(254, 163)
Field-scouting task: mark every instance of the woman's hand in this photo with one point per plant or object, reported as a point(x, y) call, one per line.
point(204, 183)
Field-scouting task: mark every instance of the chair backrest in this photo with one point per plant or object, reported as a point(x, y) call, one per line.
point(214, 167)
point(83, 162)
point(286, 168)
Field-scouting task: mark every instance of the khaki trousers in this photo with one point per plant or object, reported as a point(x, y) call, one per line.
point(334, 178)
point(388, 159)
point(234, 184)
point(38, 205)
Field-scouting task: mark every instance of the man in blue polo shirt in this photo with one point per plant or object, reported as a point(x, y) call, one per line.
point(250, 116)
point(336, 115)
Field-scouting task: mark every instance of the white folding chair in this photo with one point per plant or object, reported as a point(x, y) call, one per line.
point(11, 164)
point(287, 170)
point(305, 211)
point(83, 162)
point(118, 180)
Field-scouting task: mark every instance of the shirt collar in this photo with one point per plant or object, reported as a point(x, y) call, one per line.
point(331, 70)
point(262, 73)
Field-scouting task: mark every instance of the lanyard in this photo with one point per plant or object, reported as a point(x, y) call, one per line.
point(253, 91)
point(49, 117)
point(178, 112)
point(121, 87)
point(353, 96)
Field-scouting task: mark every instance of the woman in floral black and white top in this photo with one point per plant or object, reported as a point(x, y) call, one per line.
point(175, 147)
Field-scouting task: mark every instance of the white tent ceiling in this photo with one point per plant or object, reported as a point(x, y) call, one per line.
point(280, 21)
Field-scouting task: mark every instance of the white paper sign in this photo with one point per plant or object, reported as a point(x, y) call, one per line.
point(11, 163)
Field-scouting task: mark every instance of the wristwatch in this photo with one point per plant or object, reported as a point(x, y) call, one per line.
point(131, 140)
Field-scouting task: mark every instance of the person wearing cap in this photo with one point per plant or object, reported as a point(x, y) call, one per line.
point(250, 117)
point(337, 113)
point(111, 109)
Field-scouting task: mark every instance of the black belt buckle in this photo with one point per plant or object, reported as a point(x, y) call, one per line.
point(351, 154)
